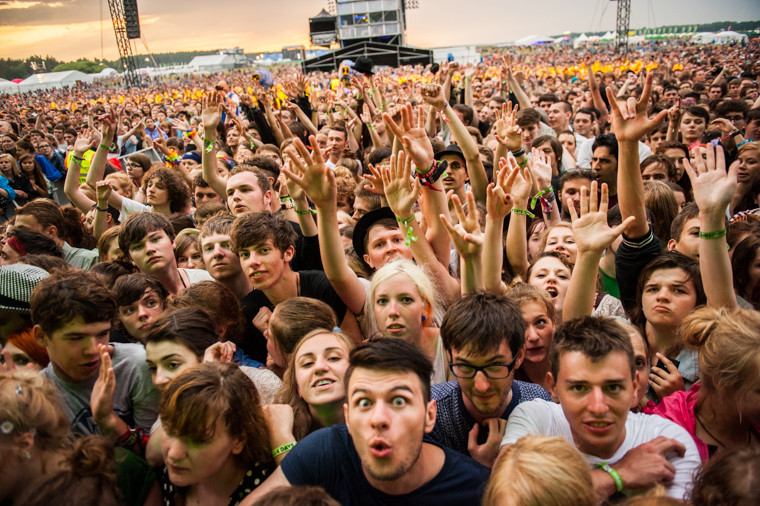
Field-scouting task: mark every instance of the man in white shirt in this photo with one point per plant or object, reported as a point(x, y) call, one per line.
point(593, 378)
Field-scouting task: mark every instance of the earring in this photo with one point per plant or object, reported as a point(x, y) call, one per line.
point(27, 455)
point(424, 318)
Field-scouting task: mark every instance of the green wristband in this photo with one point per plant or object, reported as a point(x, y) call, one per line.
point(312, 211)
point(409, 232)
point(283, 449)
point(523, 211)
point(619, 485)
point(712, 235)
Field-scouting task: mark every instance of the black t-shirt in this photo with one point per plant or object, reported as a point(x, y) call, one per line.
point(314, 284)
point(328, 458)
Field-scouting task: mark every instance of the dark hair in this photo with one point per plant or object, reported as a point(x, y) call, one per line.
point(548, 97)
point(35, 243)
point(302, 495)
point(698, 112)
point(673, 145)
point(290, 325)
point(729, 106)
point(177, 189)
point(481, 321)
point(142, 160)
point(196, 399)
point(191, 326)
point(66, 295)
point(391, 354)
point(138, 225)
point(667, 260)
point(37, 173)
point(527, 117)
point(467, 112)
point(262, 180)
point(111, 271)
point(75, 232)
point(687, 212)
point(741, 262)
point(89, 478)
point(608, 141)
point(590, 111)
point(378, 155)
point(732, 476)
point(266, 165)
point(553, 142)
point(47, 213)
point(572, 175)
point(670, 166)
point(661, 201)
point(594, 336)
point(251, 229)
point(130, 288)
point(221, 303)
point(46, 262)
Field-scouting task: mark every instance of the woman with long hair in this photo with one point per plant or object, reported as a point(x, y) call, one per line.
point(29, 166)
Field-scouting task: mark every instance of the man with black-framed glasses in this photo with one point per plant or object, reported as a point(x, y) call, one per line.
point(484, 335)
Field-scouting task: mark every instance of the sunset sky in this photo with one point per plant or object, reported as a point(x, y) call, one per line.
point(70, 29)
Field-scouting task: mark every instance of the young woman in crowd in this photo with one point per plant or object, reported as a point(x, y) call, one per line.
point(29, 166)
point(108, 245)
point(18, 180)
point(25, 351)
point(721, 411)
point(287, 326)
point(216, 444)
point(187, 249)
point(313, 383)
point(141, 300)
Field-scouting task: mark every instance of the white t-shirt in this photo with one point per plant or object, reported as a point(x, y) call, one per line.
point(542, 418)
point(583, 153)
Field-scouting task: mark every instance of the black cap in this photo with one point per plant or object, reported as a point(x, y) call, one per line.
point(363, 65)
point(451, 149)
point(364, 224)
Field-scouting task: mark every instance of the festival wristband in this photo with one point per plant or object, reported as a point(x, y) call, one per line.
point(108, 148)
point(307, 211)
point(102, 210)
point(76, 160)
point(523, 211)
point(409, 232)
point(518, 153)
point(283, 449)
point(540, 195)
point(713, 235)
point(619, 485)
point(209, 146)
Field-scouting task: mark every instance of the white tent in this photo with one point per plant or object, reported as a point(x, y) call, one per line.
point(7, 86)
point(53, 80)
point(608, 36)
point(580, 40)
point(703, 38)
point(533, 39)
point(726, 37)
point(213, 62)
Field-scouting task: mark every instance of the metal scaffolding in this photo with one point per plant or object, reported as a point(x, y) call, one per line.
point(623, 25)
point(128, 64)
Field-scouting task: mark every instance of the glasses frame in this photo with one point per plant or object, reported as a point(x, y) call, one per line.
point(510, 367)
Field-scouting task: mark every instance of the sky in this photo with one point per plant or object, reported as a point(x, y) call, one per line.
point(71, 29)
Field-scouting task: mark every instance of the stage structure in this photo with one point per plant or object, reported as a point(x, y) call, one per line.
point(372, 28)
point(126, 26)
point(623, 25)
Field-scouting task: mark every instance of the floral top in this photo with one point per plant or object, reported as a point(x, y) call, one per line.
point(254, 477)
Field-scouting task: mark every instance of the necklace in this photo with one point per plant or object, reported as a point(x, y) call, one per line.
point(702, 423)
point(182, 280)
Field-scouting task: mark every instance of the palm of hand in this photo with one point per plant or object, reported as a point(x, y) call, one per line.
point(418, 145)
point(592, 232)
point(400, 195)
point(713, 189)
point(542, 170)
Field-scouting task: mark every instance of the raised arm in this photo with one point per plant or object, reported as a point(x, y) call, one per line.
point(630, 123)
point(100, 223)
point(468, 241)
point(517, 234)
point(211, 115)
point(310, 173)
point(592, 236)
point(597, 97)
point(498, 205)
point(71, 183)
point(98, 163)
point(713, 189)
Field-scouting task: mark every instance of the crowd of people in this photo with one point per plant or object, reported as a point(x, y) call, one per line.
point(531, 280)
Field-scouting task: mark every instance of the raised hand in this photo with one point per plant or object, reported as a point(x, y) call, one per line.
point(103, 190)
point(498, 199)
point(375, 177)
point(310, 173)
point(101, 398)
point(414, 139)
point(629, 119)
point(541, 168)
point(220, 352)
point(83, 142)
point(401, 191)
point(712, 186)
point(433, 94)
point(518, 185)
point(508, 132)
point(592, 233)
point(466, 235)
point(108, 122)
point(674, 113)
point(211, 114)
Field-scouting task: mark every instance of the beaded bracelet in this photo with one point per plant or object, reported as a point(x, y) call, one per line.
point(283, 449)
point(409, 232)
point(190, 133)
point(713, 235)
point(523, 211)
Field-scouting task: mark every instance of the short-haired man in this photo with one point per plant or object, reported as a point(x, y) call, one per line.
point(381, 455)
point(570, 185)
point(530, 122)
point(684, 231)
point(593, 376)
point(560, 114)
point(484, 335)
point(45, 216)
point(148, 240)
point(265, 244)
point(74, 313)
point(604, 163)
point(248, 191)
point(583, 123)
point(337, 142)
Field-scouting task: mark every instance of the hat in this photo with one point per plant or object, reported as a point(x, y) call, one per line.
point(17, 282)
point(192, 155)
point(363, 65)
point(364, 224)
point(451, 149)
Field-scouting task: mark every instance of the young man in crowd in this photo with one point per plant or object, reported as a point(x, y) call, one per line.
point(45, 216)
point(382, 454)
point(593, 376)
point(106, 388)
point(570, 185)
point(484, 336)
point(148, 240)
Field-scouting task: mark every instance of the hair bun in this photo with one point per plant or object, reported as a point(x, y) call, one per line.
point(92, 456)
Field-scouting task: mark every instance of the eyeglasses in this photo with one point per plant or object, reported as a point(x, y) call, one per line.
point(43, 146)
point(493, 371)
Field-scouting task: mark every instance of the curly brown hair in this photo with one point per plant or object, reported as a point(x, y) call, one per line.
point(179, 192)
